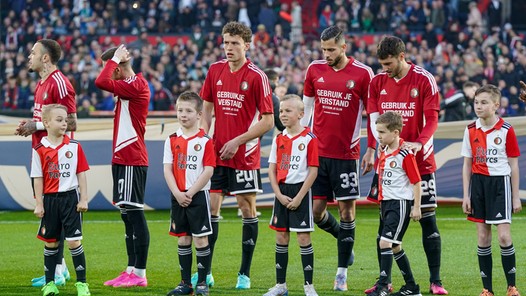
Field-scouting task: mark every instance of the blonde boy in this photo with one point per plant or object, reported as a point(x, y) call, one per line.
point(293, 167)
point(58, 168)
point(189, 162)
point(490, 178)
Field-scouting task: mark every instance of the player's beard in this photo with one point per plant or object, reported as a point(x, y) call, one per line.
point(396, 71)
point(336, 61)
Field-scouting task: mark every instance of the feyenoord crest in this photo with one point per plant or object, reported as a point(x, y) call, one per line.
point(350, 84)
point(244, 85)
point(392, 164)
point(301, 147)
point(197, 147)
point(69, 154)
point(497, 140)
point(44, 97)
point(414, 93)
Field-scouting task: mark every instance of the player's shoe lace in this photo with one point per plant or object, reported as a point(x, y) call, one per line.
point(340, 282)
point(436, 288)
point(243, 282)
point(278, 290)
point(82, 289)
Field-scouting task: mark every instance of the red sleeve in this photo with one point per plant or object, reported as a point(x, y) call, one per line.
point(64, 92)
point(82, 162)
point(125, 89)
point(210, 155)
point(431, 109)
point(312, 153)
point(372, 107)
point(411, 169)
point(104, 80)
point(308, 88)
point(263, 93)
point(512, 146)
point(431, 117)
point(206, 91)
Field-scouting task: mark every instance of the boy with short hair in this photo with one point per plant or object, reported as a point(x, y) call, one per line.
point(293, 167)
point(59, 170)
point(490, 178)
point(398, 187)
point(189, 161)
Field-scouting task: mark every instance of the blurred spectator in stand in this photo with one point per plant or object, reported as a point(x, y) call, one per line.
point(381, 23)
point(438, 16)
point(326, 18)
point(416, 18)
point(469, 88)
point(367, 21)
point(10, 98)
point(454, 106)
point(285, 19)
point(107, 103)
point(267, 17)
point(430, 36)
point(355, 12)
point(474, 17)
point(494, 14)
point(261, 37)
point(204, 15)
point(84, 110)
point(243, 14)
point(296, 24)
point(162, 99)
point(273, 79)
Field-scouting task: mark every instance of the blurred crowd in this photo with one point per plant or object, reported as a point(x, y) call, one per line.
point(456, 43)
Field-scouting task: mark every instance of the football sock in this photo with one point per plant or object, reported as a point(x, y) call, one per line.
point(249, 239)
point(403, 264)
point(141, 243)
point(282, 262)
point(329, 224)
point(386, 265)
point(345, 242)
point(307, 259)
point(432, 243)
point(378, 250)
point(50, 263)
point(185, 262)
point(128, 227)
point(508, 263)
point(79, 262)
point(203, 263)
point(212, 238)
point(60, 256)
point(486, 266)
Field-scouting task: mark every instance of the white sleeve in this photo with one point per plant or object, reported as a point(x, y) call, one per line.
point(466, 146)
point(309, 106)
point(168, 157)
point(372, 118)
point(273, 155)
point(36, 165)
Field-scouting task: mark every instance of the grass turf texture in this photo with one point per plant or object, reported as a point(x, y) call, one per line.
point(21, 255)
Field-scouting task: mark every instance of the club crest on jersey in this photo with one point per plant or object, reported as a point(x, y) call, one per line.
point(244, 85)
point(374, 191)
point(350, 84)
point(414, 93)
point(301, 147)
point(392, 164)
point(497, 140)
point(69, 154)
point(44, 97)
point(197, 147)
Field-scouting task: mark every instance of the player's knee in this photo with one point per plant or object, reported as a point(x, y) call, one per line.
point(304, 239)
point(282, 238)
point(385, 244)
point(505, 239)
point(73, 244)
point(52, 245)
point(200, 242)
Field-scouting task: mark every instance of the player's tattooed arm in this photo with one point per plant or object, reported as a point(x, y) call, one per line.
point(26, 128)
point(72, 122)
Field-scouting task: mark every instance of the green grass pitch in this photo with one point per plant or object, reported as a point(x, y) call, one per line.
point(21, 255)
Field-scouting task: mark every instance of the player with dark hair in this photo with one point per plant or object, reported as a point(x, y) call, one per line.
point(53, 88)
point(335, 95)
point(130, 159)
point(239, 95)
point(412, 91)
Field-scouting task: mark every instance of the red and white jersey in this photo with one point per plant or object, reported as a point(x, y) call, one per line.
point(239, 100)
point(397, 173)
point(131, 110)
point(293, 156)
point(58, 165)
point(416, 98)
point(490, 148)
point(56, 89)
point(189, 157)
point(339, 99)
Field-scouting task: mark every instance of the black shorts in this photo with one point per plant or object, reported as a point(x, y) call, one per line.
point(129, 183)
point(60, 212)
point(337, 179)
point(227, 180)
point(193, 220)
point(395, 215)
point(491, 201)
point(299, 220)
point(429, 195)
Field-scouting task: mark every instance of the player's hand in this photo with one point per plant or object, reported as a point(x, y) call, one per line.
point(229, 149)
point(368, 161)
point(522, 93)
point(415, 146)
point(416, 214)
point(466, 205)
point(26, 128)
point(122, 53)
point(39, 211)
point(82, 206)
point(294, 204)
point(183, 200)
point(283, 199)
point(517, 205)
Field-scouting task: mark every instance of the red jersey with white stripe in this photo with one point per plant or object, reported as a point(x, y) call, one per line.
point(239, 100)
point(189, 157)
point(397, 173)
point(339, 99)
point(56, 89)
point(293, 156)
point(490, 148)
point(416, 98)
point(129, 122)
point(58, 165)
